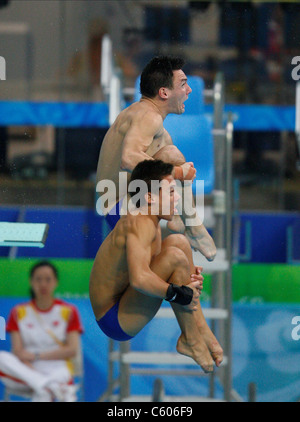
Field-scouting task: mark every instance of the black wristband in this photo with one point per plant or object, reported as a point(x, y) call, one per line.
point(182, 295)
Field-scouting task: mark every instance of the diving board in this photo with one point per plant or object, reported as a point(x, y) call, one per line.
point(23, 234)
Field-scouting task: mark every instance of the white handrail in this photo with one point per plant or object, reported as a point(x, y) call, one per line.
point(106, 63)
point(114, 98)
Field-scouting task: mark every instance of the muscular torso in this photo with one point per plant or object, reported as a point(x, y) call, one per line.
point(109, 276)
point(110, 158)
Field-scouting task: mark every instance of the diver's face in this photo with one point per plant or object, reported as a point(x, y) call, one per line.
point(180, 92)
point(168, 198)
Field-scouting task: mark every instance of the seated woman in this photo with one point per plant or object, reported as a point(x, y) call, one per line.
point(45, 338)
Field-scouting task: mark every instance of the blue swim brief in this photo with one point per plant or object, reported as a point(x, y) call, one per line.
point(114, 215)
point(110, 326)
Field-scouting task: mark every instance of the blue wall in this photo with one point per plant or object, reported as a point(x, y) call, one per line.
point(78, 232)
point(263, 352)
point(268, 236)
point(73, 232)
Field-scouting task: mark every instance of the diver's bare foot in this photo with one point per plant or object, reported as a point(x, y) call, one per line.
point(202, 242)
point(213, 345)
point(176, 225)
point(199, 352)
point(198, 237)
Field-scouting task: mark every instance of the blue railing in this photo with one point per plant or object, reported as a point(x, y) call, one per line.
point(246, 117)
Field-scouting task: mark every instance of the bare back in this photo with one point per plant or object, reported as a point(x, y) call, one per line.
point(110, 276)
point(136, 134)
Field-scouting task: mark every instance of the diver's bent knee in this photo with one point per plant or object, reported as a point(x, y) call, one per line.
point(176, 257)
point(177, 240)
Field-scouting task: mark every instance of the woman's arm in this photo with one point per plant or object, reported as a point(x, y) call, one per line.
point(18, 349)
point(66, 351)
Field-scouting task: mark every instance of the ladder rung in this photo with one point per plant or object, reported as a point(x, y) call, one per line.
point(162, 358)
point(219, 132)
point(218, 265)
point(209, 217)
point(172, 372)
point(114, 356)
point(190, 399)
point(167, 399)
point(155, 358)
point(209, 313)
point(208, 93)
point(215, 313)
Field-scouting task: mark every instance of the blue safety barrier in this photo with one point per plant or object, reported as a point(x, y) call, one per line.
point(263, 237)
point(258, 117)
point(246, 117)
point(293, 243)
point(50, 113)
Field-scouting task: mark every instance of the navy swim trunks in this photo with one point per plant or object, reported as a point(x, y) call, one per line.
point(114, 215)
point(110, 326)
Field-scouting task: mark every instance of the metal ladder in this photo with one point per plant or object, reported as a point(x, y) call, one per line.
point(154, 363)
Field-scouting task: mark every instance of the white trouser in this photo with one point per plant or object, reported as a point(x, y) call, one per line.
point(19, 376)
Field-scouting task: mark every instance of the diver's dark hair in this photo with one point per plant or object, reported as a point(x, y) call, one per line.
point(158, 73)
point(150, 170)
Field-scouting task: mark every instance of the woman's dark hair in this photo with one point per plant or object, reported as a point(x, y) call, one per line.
point(149, 170)
point(158, 73)
point(39, 265)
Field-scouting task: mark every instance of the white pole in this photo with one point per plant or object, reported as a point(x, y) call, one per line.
point(106, 63)
point(114, 98)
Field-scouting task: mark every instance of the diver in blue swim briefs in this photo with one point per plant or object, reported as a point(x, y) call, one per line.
point(135, 270)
